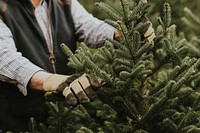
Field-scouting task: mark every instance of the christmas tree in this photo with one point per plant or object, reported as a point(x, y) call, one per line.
point(150, 85)
point(192, 23)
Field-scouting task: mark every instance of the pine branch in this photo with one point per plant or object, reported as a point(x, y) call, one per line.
point(166, 15)
point(125, 10)
point(170, 125)
point(193, 17)
point(183, 80)
point(74, 61)
point(109, 10)
point(171, 76)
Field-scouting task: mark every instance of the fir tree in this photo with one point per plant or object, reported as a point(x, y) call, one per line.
point(192, 25)
point(150, 86)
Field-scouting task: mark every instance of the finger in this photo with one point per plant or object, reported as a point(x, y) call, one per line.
point(84, 82)
point(67, 93)
point(90, 93)
point(69, 80)
point(149, 34)
point(94, 82)
point(69, 96)
point(79, 92)
point(61, 87)
point(151, 37)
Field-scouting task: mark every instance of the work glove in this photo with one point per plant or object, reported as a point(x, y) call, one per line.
point(148, 32)
point(77, 88)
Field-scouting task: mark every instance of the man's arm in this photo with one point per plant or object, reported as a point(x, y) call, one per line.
point(12, 64)
point(14, 67)
point(88, 28)
point(37, 80)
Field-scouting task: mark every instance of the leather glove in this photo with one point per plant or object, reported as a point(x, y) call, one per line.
point(75, 88)
point(148, 32)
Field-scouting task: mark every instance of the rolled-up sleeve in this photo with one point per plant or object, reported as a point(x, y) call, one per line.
point(88, 28)
point(12, 64)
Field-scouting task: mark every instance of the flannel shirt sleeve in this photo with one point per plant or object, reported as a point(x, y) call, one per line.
point(89, 29)
point(14, 68)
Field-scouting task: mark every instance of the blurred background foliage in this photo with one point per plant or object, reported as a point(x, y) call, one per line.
point(185, 15)
point(90, 6)
point(154, 11)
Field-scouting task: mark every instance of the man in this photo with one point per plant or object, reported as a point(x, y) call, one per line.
point(31, 32)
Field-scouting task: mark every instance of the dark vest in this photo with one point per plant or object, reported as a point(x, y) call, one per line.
point(18, 15)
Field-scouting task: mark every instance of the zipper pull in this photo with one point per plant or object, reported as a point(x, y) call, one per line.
point(52, 60)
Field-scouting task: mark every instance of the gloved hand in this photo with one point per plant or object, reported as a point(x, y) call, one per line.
point(75, 88)
point(148, 32)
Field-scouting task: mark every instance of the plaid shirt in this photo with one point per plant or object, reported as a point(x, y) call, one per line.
point(16, 69)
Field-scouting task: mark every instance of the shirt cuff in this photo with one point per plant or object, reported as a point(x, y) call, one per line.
point(111, 32)
point(23, 83)
point(97, 40)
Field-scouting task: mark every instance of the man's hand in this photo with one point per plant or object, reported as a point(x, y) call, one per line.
point(116, 36)
point(75, 88)
point(148, 33)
